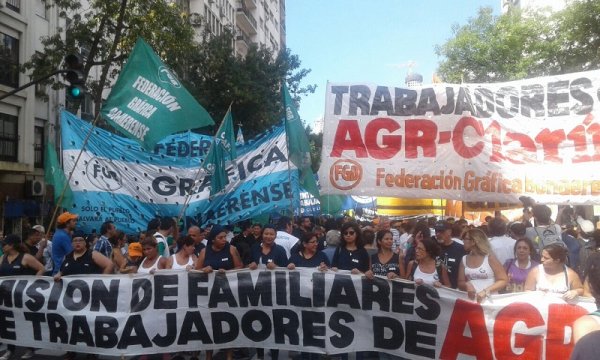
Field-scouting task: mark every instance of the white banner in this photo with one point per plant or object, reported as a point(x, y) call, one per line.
point(302, 310)
point(473, 142)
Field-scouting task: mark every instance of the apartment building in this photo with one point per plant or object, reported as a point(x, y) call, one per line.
point(28, 118)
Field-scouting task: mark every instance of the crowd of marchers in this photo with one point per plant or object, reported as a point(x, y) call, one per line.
point(535, 253)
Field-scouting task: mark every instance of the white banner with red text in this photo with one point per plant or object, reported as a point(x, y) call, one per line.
point(301, 310)
point(538, 137)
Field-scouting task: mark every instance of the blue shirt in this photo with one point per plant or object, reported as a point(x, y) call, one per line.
point(61, 246)
point(299, 260)
point(103, 246)
point(276, 255)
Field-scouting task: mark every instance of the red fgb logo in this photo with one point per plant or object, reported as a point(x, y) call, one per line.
point(345, 174)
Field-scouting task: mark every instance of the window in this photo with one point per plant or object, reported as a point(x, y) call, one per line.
point(14, 5)
point(9, 60)
point(40, 9)
point(38, 147)
point(9, 138)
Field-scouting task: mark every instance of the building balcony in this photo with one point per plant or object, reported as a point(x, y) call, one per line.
point(242, 43)
point(250, 4)
point(245, 20)
point(14, 5)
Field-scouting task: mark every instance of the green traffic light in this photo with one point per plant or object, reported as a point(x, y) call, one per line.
point(75, 92)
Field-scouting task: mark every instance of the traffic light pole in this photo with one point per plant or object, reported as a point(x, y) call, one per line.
point(2, 97)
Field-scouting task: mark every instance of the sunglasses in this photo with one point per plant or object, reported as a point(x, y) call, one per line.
point(349, 233)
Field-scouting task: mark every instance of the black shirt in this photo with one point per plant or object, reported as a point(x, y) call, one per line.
point(82, 265)
point(348, 260)
point(451, 256)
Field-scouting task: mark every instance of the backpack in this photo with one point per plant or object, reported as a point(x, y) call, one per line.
point(547, 235)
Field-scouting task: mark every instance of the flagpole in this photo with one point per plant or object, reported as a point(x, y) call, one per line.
point(188, 196)
point(287, 143)
point(64, 189)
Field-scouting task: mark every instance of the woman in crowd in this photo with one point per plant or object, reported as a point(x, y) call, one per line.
point(309, 254)
point(267, 252)
point(420, 231)
point(385, 262)
point(133, 258)
point(218, 255)
point(351, 254)
point(553, 275)
point(118, 241)
point(480, 273)
point(153, 261)
point(17, 261)
point(184, 259)
point(425, 269)
point(518, 268)
point(83, 260)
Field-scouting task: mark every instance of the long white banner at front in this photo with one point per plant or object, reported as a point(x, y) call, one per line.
point(474, 142)
point(302, 310)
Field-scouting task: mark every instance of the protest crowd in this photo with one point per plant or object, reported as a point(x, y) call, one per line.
point(534, 253)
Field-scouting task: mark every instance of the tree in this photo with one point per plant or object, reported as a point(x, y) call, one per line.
point(251, 84)
point(105, 34)
point(520, 44)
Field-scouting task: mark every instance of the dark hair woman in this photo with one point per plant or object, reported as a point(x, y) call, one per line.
point(308, 255)
point(553, 275)
point(385, 262)
point(425, 269)
point(518, 268)
point(218, 253)
point(351, 253)
point(184, 259)
point(267, 252)
point(152, 261)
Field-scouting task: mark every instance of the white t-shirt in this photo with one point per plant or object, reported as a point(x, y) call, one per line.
point(503, 247)
point(161, 239)
point(286, 240)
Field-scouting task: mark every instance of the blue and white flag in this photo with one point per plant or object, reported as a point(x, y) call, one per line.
point(116, 180)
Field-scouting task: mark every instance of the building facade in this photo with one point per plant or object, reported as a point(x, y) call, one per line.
point(28, 118)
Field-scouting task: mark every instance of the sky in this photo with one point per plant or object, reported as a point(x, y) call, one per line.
point(370, 41)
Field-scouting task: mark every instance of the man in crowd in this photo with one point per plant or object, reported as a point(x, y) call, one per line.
point(165, 228)
point(243, 241)
point(32, 241)
point(503, 245)
point(197, 234)
point(304, 228)
point(452, 252)
point(284, 236)
point(257, 233)
point(103, 246)
point(545, 232)
point(61, 241)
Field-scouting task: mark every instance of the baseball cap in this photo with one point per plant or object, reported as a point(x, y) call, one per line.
point(441, 226)
point(65, 217)
point(39, 228)
point(135, 249)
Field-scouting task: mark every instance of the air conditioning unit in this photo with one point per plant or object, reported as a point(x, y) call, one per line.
point(35, 188)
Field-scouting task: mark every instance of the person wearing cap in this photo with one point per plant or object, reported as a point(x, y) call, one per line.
point(61, 241)
point(133, 259)
point(16, 260)
point(451, 252)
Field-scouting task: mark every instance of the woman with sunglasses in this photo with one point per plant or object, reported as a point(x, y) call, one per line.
point(351, 254)
point(480, 273)
point(385, 262)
